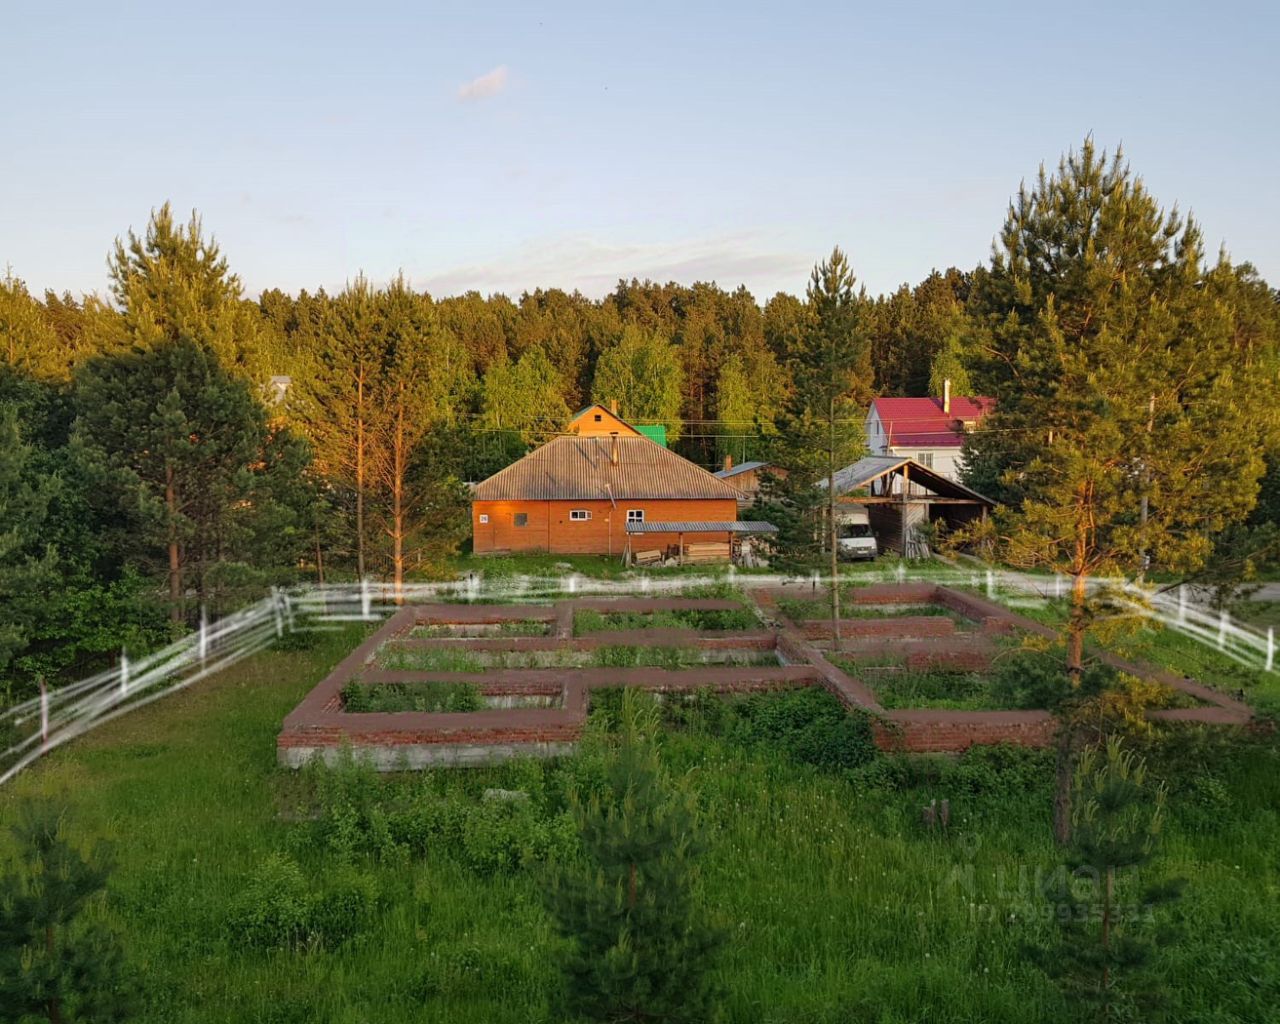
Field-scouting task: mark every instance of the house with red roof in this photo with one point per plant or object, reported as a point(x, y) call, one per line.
point(929, 430)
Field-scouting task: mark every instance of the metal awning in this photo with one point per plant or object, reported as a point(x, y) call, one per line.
point(736, 526)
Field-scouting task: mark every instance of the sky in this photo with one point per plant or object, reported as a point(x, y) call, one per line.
point(509, 146)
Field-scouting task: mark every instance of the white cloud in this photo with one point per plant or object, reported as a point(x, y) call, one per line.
point(594, 267)
point(489, 84)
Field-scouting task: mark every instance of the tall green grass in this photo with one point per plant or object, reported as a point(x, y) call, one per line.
point(841, 907)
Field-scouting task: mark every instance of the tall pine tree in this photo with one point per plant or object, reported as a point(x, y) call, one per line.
point(831, 367)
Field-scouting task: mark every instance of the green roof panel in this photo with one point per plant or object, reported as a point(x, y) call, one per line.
point(656, 432)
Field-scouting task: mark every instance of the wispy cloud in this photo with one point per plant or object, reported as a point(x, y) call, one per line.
point(489, 84)
point(594, 267)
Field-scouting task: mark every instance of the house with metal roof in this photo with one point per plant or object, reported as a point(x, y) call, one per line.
point(930, 430)
point(589, 493)
point(748, 477)
point(597, 421)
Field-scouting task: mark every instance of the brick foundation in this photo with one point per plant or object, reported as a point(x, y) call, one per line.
point(320, 727)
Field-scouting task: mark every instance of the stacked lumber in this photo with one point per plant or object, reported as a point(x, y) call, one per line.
point(707, 551)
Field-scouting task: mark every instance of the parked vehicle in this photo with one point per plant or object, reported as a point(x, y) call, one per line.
point(854, 538)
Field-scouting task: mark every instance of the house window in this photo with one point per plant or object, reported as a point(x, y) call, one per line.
point(484, 517)
point(925, 459)
point(579, 515)
point(635, 515)
point(599, 418)
point(520, 519)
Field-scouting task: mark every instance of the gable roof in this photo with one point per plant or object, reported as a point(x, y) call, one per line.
point(574, 468)
point(921, 423)
point(608, 422)
point(861, 474)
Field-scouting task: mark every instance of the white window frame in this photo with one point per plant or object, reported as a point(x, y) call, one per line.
point(635, 515)
point(579, 515)
point(484, 517)
point(925, 459)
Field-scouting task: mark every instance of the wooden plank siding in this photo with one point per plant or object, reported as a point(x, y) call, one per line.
point(549, 527)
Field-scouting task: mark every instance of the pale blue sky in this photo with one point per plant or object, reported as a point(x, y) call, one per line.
point(732, 142)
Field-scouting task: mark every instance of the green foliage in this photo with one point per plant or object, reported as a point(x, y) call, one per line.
point(430, 697)
point(195, 473)
point(1123, 382)
point(1105, 954)
point(58, 960)
point(739, 619)
point(833, 893)
point(525, 397)
point(641, 946)
point(277, 909)
point(642, 373)
point(28, 566)
point(809, 726)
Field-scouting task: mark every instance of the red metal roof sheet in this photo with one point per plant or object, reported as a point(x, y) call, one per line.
point(921, 423)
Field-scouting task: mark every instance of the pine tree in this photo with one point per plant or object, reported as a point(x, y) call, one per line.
point(832, 371)
point(174, 283)
point(28, 342)
point(1127, 430)
point(184, 452)
point(56, 963)
point(641, 944)
point(1105, 948)
point(342, 363)
point(425, 375)
point(642, 372)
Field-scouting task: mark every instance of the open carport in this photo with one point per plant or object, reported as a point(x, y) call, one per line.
point(901, 495)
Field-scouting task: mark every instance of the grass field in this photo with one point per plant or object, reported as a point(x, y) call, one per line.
point(839, 907)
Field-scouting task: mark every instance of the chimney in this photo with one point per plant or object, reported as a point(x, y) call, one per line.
point(728, 462)
point(613, 447)
point(946, 396)
point(613, 406)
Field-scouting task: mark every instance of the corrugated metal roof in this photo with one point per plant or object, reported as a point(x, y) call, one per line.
point(737, 526)
point(576, 468)
point(724, 474)
point(921, 423)
point(871, 467)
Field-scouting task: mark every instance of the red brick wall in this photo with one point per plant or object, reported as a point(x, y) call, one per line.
point(921, 732)
point(550, 528)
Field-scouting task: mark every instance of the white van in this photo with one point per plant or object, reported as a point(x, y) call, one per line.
point(854, 538)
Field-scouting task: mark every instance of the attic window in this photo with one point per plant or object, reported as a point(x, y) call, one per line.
point(599, 418)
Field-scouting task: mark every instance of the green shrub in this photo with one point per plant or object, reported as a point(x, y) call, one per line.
point(502, 836)
point(273, 908)
point(809, 725)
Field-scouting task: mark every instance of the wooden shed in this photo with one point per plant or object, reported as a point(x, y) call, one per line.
point(901, 494)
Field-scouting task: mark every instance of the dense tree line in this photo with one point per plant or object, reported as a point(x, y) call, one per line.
point(177, 444)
